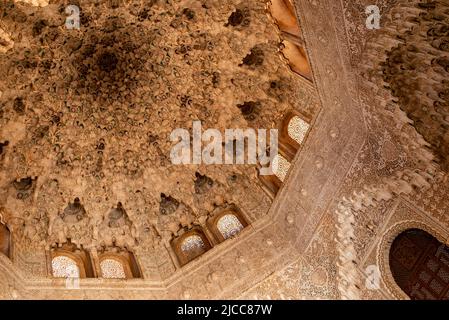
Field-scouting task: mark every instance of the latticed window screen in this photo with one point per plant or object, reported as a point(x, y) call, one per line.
point(192, 246)
point(297, 129)
point(420, 265)
point(229, 225)
point(65, 267)
point(281, 166)
point(112, 269)
point(192, 243)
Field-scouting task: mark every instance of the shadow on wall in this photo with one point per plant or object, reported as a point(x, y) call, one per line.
point(5, 240)
point(292, 46)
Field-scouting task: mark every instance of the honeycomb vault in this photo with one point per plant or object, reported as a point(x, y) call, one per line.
point(86, 116)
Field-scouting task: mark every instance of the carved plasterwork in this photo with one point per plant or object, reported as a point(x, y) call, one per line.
point(312, 276)
point(231, 267)
point(102, 149)
point(400, 164)
point(360, 157)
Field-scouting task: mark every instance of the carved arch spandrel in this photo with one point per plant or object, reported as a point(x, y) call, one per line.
point(287, 204)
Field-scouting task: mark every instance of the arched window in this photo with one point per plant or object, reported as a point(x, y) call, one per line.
point(229, 225)
point(191, 245)
point(281, 166)
point(65, 267)
point(297, 129)
point(420, 265)
point(118, 263)
point(226, 223)
point(112, 269)
point(5, 240)
point(293, 131)
point(68, 260)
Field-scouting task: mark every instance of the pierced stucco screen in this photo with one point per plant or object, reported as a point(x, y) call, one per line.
point(297, 129)
point(64, 267)
point(112, 269)
point(192, 243)
point(229, 225)
point(281, 167)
